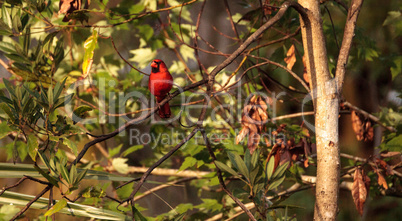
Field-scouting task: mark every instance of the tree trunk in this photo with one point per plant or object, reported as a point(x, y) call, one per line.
point(326, 105)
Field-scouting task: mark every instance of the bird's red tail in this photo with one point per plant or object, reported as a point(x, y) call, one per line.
point(164, 111)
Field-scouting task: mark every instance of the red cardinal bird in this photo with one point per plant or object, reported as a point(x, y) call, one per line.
point(160, 83)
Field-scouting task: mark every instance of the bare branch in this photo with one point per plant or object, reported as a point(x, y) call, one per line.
point(348, 34)
point(253, 37)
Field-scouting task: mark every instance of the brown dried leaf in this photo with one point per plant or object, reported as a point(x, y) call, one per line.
point(241, 135)
point(306, 163)
point(381, 180)
point(253, 140)
point(368, 131)
point(290, 57)
point(253, 119)
point(285, 157)
point(67, 7)
point(267, 8)
point(357, 125)
point(277, 159)
point(359, 191)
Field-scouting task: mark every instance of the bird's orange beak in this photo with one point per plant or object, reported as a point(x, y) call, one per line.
point(154, 64)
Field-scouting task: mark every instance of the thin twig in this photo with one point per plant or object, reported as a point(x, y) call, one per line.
point(254, 36)
point(26, 207)
point(368, 115)
point(286, 69)
point(293, 115)
point(114, 46)
point(159, 162)
point(153, 190)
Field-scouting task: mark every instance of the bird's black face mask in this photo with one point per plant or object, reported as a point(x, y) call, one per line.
point(156, 69)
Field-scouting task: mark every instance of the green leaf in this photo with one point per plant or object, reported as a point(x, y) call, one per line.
point(80, 176)
point(253, 175)
point(247, 159)
point(241, 166)
point(179, 217)
point(8, 211)
point(131, 149)
point(27, 39)
point(71, 144)
point(73, 174)
point(270, 167)
point(32, 143)
point(210, 204)
point(396, 69)
point(146, 31)
point(393, 16)
point(50, 95)
point(7, 47)
point(9, 87)
point(224, 167)
point(63, 101)
point(5, 29)
point(395, 144)
point(137, 215)
point(57, 207)
point(4, 129)
point(276, 183)
point(187, 53)
point(143, 56)
point(6, 16)
point(280, 170)
point(89, 47)
point(51, 180)
point(255, 158)
point(58, 89)
point(188, 162)
point(80, 113)
point(63, 172)
point(7, 110)
point(114, 151)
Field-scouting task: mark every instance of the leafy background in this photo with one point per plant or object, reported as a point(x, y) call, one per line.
point(45, 50)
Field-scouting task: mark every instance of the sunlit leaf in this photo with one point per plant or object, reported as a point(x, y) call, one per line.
point(71, 144)
point(290, 57)
point(120, 165)
point(89, 46)
point(32, 144)
point(56, 207)
point(188, 162)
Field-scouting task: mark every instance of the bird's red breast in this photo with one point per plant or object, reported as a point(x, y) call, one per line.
point(160, 83)
point(160, 80)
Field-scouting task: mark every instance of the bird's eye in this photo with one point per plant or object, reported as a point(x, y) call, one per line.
point(158, 62)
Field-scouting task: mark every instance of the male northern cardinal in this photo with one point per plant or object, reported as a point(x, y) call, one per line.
point(160, 83)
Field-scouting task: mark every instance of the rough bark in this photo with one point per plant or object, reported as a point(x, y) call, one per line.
point(326, 107)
